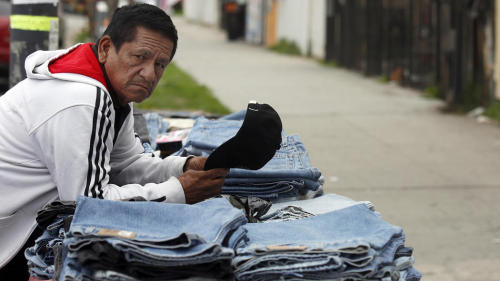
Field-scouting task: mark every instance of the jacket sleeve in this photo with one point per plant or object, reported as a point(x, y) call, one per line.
point(76, 145)
point(129, 163)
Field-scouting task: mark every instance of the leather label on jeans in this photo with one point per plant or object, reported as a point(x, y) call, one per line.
point(116, 233)
point(286, 248)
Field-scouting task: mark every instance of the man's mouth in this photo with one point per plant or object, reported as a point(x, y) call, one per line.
point(142, 86)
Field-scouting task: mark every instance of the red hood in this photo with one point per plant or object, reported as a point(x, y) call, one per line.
point(80, 60)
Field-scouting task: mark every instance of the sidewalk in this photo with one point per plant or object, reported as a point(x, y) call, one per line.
point(435, 175)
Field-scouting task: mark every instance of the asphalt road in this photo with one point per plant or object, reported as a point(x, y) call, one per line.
point(436, 175)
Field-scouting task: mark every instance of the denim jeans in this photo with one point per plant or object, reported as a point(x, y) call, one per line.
point(41, 256)
point(147, 221)
point(356, 238)
point(319, 205)
point(289, 166)
point(156, 126)
point(410, 274)
point(172, 240)
point(349, 226)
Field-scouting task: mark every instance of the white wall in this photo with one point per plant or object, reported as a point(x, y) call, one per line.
point(497, 50)
point(254, 21)
point(202, 11)
point(303, 22)
point(293, 22)
point(318, 28)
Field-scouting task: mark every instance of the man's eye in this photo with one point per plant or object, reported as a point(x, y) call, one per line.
point(140, 57)
point(161, 65)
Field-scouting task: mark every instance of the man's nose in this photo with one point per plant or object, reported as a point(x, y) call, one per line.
point(148, 72)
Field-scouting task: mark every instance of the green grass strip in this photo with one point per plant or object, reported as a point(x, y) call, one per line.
point(177, 90)
point(493, 111)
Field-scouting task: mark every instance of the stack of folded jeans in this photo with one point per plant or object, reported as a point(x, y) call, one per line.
point(54, 219)
point(349, 243)
point(287, 175)
point(111, 240)
point(297, 209)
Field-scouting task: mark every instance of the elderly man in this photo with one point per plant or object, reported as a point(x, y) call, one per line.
point(67, 130)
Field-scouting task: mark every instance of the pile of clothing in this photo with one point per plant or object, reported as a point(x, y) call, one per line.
point(288, 175)
point(54, 219)
point(240, 236)
point(330, 237)
point(326, 238)
point(110, 240)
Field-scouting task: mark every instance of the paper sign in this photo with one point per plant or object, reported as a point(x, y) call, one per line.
point(34, 23)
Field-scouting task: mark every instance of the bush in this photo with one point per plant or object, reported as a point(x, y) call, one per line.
point(286, 47)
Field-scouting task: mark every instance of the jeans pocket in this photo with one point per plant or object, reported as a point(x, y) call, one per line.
point(6, 221)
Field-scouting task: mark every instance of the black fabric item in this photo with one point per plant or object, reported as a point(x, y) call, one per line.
point(403, 252)
point(254, 144)
point(49, 213)
point(102, 256)
point(253, 207)
point(58, 261)
point(141, 127)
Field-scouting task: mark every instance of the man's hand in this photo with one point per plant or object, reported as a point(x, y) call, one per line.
point(201, 185)
point(195, 163)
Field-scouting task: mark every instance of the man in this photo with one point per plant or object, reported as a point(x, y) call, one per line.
point(67, 129)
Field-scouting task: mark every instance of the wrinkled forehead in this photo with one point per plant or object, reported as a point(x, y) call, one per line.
point(152, 41)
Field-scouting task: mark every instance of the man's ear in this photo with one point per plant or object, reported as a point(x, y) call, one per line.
point(104, 47)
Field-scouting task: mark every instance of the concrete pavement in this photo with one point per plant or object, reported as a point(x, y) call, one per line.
point(435, 175)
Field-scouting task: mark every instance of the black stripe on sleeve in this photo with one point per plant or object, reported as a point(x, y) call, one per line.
point(92, 140)
point(98, 148)
point(103, 153)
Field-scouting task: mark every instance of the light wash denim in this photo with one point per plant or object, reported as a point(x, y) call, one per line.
point(265, 190)
point(410, 274)
point(348, 227)
point(156, 126)
point(240, 115)
point(404, 263)
point(357, 237)
point(313, 265)
point(41, 256)
point(290, 163)
point(155, 224)
point(286, 214)
point(319, 205)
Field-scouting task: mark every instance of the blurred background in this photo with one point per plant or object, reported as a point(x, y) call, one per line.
point(444, 48)
point(396, 101)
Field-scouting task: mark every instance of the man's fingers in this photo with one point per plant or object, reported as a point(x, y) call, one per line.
point(217, 173)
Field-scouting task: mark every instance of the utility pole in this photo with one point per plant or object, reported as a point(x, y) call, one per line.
point(34, 25)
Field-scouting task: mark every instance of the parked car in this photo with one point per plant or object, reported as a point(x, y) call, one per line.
point(4, 44)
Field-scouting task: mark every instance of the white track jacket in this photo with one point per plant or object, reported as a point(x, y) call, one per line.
point(59, 139)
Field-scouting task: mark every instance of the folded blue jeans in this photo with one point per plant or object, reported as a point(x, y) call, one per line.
point(345, 228)
point(153, 223)
point(357, 236)
point(151, 233)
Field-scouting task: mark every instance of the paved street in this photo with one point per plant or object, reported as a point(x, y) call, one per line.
point(435, 175)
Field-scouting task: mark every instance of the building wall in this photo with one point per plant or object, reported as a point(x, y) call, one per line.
point(497, 50)
point(318, 28)
point(293, 22)
point(303, 22)
point(202, 11)
point(254, 32)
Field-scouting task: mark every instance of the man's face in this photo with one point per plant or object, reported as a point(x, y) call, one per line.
point(134, 71)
